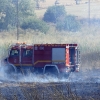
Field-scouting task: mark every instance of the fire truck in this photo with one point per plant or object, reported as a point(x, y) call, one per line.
point(43, 58)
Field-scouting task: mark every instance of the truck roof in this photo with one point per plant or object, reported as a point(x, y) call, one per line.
point(23, 45)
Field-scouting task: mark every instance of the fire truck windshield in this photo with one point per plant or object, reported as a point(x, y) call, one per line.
point(14, 52)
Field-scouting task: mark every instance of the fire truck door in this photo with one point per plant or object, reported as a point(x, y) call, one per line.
point(14, 56)
point(26, 57)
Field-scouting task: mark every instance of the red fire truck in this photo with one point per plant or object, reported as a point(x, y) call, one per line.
point(53, 58)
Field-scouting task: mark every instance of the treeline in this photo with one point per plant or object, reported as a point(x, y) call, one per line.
point(21, 13)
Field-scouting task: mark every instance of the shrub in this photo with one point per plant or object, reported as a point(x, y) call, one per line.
point(35, 24)
point(53, 13)
point(3, 26)
point(68, 23)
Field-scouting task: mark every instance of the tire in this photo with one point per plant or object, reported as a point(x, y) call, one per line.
point(51, 72)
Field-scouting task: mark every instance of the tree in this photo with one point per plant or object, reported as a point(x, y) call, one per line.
point(68, 23)
point(53, 13)
point(35, 24)
point(25, 9)
point(8, 8)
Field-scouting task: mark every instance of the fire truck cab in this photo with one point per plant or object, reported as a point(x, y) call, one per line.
point(54, 58)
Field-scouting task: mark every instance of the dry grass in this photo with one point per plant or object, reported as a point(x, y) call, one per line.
point(81, 11)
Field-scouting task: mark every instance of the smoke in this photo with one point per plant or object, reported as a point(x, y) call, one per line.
point(19, 77)
point(92, 76)
point(3, 75)
point(81, 76)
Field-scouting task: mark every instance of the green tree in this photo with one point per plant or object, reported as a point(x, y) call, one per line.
point(53, 13)
point(8, 13)
point(25, 9)
point(8, 8)
point(35, 24)
point(68, 23)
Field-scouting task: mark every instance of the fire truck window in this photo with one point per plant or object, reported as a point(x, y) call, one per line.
point(14, 53)
point(41, 48)
point(27, 53)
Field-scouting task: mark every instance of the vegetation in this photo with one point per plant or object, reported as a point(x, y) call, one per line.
point(53, 13)
point(35, 24)
point(9, 14)
point(21, 13)
point(68, 23)
point(57, 15)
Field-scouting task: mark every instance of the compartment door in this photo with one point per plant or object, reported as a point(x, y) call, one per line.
point(58, 55)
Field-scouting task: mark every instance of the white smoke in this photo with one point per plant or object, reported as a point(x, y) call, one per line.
point(81, 76)
point(86, 76)
point(40, 78)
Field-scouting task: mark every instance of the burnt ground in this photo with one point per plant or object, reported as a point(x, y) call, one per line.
point(49, 91)
point(84, 85)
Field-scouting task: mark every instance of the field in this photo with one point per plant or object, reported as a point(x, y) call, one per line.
point(84, 85)
point(81, 10)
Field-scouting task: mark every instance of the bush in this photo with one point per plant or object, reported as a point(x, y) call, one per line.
point(53, 13)
point(3, 26)
point(35, 24)
point(69, 23)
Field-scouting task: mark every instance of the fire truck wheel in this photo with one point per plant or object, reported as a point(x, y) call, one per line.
point(51, 72)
